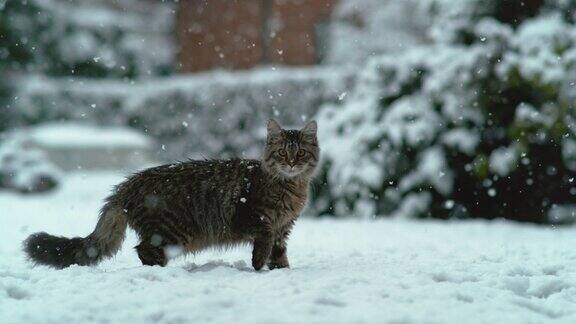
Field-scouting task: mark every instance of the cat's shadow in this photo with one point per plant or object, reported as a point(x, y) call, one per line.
point(211, 265)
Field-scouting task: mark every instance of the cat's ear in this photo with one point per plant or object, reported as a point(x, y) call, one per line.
point(310, 129)
point(273, 128)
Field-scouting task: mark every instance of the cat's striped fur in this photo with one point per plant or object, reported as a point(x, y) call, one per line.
point(200, 204)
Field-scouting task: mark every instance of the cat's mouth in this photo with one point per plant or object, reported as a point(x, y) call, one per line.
point(291, 172)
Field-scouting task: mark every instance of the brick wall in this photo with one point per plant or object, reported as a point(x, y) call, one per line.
point(293, 24)
point(239, 34)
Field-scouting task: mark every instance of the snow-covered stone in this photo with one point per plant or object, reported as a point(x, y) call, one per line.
point(73, 146)
point(25, 168)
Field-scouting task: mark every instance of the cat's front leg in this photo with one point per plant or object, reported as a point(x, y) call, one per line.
point(263, 242)
point(278, 257)
point(262, 248)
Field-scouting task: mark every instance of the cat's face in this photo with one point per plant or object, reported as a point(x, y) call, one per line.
point(291, 153)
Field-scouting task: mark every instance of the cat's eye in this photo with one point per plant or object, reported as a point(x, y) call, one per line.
point(301, 153)
point(282, 152)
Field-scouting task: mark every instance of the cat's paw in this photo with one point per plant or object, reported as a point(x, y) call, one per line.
point(258, 264)
point(278, 264)
point(279, 261)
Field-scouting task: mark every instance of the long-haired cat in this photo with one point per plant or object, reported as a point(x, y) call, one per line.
point(199, 204)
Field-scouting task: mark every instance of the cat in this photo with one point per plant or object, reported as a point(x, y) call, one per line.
point(199, 204)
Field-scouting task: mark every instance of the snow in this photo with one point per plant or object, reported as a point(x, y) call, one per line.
point(411, 120)
point(415, 203)
point(543, 50)
point(60, 134)
point(462, 139)
point(342, 271)
point(79, 47)
point(503, 160)
point(529, 114)
point(433, 169)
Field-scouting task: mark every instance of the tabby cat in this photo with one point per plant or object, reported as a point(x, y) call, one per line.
point(195, 205)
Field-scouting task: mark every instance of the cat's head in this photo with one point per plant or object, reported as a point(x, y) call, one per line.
point(291, 153)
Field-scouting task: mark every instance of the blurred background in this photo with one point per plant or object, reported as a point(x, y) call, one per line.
point(426, 108)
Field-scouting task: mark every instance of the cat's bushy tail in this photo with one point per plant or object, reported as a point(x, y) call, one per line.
point(61, 252)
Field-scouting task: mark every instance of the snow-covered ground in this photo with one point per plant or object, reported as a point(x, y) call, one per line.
point(349, 271)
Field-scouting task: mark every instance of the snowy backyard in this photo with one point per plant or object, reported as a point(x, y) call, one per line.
point(387, 271)
point(430, 143)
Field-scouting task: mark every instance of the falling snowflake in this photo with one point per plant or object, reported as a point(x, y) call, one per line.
point(492, 192)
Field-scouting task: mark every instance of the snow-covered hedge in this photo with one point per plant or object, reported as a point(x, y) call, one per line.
point(86, 38)
point(213, 115)
point(478, 124)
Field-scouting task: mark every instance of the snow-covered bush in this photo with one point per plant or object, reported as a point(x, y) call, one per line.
point(214, 114)
point(24, 168)
point(85, 38)
point(478, 124)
